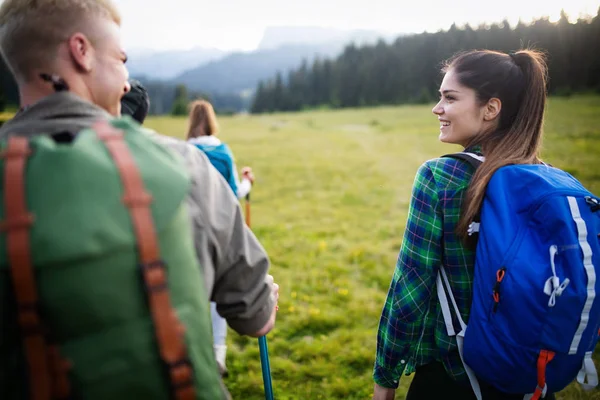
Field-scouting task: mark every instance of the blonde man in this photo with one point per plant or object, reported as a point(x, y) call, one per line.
point(69, 65)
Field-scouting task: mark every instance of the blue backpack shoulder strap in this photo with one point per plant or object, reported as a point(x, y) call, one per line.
point(473, 159)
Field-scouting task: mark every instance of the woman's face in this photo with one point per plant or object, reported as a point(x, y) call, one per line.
point(459, 112)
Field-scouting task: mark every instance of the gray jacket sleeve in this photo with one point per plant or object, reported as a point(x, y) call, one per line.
point(234, 263)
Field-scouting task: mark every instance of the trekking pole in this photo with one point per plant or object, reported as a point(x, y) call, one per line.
point(262, 341)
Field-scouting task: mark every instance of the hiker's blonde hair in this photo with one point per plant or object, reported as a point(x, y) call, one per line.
point(202, 119)
point(32, 30)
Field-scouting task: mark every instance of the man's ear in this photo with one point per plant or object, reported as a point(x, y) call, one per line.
point(81, 51)
point(492, 109)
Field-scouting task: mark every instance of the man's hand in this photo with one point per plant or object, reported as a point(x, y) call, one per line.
point(247, 173)
point(275, 287)
point(271, 323)
point(382, 393)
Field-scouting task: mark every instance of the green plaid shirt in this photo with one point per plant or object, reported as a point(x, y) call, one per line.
point(412, 330)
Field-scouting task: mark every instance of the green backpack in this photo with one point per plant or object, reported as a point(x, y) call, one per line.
point(101, 293)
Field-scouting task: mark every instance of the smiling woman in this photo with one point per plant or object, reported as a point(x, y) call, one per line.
point(460, 114)
point(492, 104)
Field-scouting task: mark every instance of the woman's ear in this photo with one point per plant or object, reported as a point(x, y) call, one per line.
point(492, 109)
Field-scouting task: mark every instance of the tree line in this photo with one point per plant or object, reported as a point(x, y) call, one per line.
point(9, 93)
point(168, 98)
point(165, 97)
point(405, 71)
point(408, 70)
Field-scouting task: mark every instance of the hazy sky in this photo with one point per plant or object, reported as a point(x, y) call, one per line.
point(240, 24)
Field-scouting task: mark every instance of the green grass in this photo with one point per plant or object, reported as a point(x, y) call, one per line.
point(5, 116)
point(330, 205)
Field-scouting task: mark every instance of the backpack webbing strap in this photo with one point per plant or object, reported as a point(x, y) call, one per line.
point(472, 159)
point(475, 161)
point(442, 284)
point(47, 370)
point(544, 358)
point(169, 331)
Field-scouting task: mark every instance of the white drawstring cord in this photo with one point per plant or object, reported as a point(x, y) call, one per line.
point(553, 287)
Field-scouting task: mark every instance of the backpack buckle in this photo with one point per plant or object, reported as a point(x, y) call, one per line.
point(155, 275)
point(181, 372)
point(593, 203)
point(29, 319)
point(473, 228)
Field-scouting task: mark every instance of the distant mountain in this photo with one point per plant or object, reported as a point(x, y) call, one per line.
point(169, 64)
point(241, 71)
point(278, 36)
point(281, 49)
point(212, 70)
point(230, 79)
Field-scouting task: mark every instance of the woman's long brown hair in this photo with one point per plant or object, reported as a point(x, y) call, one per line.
point(518, 80)
point(202, 120)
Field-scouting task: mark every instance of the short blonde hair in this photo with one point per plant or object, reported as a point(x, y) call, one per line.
point(32, 30)
point(202, 119)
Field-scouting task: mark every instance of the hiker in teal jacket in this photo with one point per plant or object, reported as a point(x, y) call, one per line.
point(201, 133)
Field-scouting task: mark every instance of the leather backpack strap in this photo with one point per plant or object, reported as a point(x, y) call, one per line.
point(169, 331)
point(17, 223)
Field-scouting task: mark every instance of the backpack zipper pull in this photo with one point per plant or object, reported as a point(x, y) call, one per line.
point(496, 291)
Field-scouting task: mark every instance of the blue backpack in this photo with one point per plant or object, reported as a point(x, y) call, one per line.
point(535, 316)
point(221, 158)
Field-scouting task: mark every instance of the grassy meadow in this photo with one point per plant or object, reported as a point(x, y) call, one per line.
point(330, 205)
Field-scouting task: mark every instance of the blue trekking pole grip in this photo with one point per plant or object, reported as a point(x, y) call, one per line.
point(262, 341)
